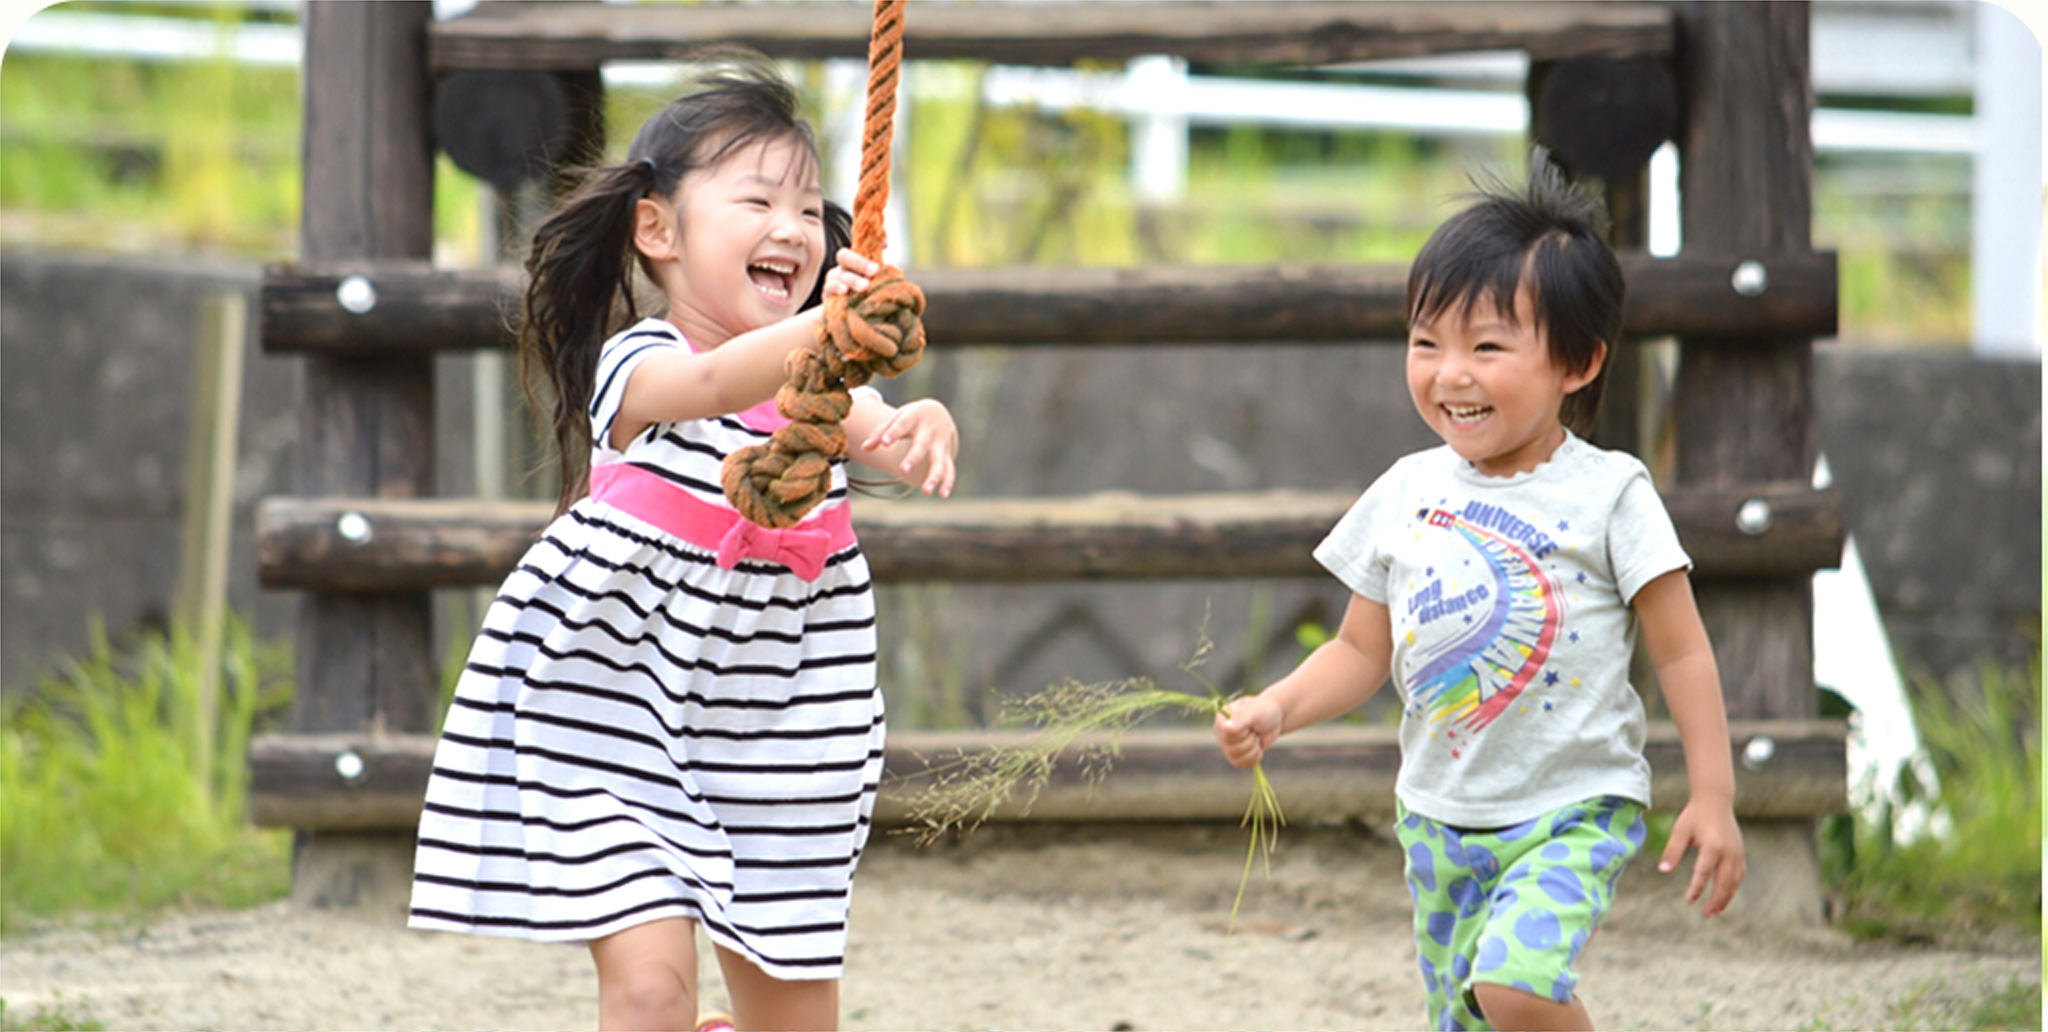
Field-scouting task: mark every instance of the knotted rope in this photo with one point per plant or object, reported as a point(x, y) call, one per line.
point(877, 332)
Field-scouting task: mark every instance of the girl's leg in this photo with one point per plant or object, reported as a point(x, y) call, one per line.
point(762, 1003)
point(1508, 1007)
point(647, 976)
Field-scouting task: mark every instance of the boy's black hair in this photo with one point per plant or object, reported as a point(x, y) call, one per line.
point(1549, 235)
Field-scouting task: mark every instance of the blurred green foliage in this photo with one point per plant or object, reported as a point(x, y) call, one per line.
point(140, 157)
point(111, 807)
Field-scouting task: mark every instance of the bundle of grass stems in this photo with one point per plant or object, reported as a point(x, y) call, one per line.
point(1086, 722)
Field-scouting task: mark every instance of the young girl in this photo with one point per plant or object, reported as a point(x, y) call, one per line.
point(1500, 579)
point(671, 716)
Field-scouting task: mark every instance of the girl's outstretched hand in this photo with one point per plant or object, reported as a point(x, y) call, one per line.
point(932, 440)
point(1710, 826)
point(850, 276)
point(1246, 728)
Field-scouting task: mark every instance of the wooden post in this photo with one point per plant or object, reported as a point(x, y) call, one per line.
point(210, 455)
point(365, 661)
point(1746, 413)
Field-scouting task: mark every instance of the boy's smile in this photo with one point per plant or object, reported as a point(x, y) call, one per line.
point(1486, 384)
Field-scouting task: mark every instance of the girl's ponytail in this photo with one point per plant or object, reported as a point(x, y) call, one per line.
point(579, 291)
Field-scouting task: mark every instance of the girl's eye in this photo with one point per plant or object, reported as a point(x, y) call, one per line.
point(1487, 345)
point(814, 214)
point(1422, 344)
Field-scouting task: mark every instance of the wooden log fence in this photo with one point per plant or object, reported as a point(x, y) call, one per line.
point(579, 36)
point(1787, 769)
point(372, 307)
point(377, 545)
point(368, 312)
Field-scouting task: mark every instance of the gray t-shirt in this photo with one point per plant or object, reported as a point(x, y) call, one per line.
point(1511, 626)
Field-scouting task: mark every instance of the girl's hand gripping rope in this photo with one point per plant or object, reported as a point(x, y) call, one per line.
point(875, 329)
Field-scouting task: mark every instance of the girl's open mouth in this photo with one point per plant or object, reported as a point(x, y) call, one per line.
point(772, 278)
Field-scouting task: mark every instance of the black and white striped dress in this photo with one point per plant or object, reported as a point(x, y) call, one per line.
point(642, 734)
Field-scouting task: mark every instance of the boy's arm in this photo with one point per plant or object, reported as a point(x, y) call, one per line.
point(915, 444)
point(1338, 676)
point(1691, 683)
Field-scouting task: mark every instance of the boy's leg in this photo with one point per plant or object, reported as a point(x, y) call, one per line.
point(647, 976)
point(763, 1003)
point(1546, 907)
point(1513, 1008)
point(1449, 898)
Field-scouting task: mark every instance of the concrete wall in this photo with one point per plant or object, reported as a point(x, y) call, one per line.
point(1938, 457)
point(97, 382)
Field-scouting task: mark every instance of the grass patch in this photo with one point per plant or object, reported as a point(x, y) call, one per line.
point(45, 1018)
point(1981, 874)
point(112, 808)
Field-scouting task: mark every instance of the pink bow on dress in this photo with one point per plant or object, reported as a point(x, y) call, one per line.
point(803, 551)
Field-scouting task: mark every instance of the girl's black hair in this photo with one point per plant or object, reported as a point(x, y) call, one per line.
point(580, 282)
point(1549, 235)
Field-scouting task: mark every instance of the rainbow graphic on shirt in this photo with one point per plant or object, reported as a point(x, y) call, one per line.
point(1510, 620)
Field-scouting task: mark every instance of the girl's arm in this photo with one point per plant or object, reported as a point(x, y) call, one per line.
point(1691, 683)
point(1336, 678)
point(915, 444)
point(737, 375)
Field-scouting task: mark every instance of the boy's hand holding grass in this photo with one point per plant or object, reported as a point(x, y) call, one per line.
point(1246, 727)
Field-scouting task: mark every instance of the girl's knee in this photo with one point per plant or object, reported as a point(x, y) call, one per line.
point(647, 996)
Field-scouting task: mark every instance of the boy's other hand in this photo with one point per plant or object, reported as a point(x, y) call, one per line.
point(1709, 826)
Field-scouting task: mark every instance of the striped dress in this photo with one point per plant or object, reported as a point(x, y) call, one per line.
point(641, 732)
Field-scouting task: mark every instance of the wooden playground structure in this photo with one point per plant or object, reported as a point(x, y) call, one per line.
point(368, 313)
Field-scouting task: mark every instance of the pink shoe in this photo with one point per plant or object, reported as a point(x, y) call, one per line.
point(715, 1021)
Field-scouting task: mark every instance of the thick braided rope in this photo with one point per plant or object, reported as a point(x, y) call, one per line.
point(878, 332)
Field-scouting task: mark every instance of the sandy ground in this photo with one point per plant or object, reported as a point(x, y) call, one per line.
point(1019, 930)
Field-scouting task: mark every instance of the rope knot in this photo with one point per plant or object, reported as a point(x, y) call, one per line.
point(878, 332)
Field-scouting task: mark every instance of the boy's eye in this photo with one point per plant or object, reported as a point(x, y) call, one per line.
point(1423, 343)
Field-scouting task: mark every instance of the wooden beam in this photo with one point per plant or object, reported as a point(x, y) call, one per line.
point(421, 309)
point(580, 35)
point(366, 426)
point(1747, 414)
point(339, 544)
point(1746, 184)
point(365, 661)
point(339, 782)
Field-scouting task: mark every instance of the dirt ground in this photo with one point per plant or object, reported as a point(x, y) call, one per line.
point(1015, 929)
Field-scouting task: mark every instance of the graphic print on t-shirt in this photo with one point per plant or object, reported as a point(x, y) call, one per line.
point(1469, 669)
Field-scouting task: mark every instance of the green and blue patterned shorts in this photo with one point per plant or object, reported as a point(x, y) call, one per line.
point(1512, 906)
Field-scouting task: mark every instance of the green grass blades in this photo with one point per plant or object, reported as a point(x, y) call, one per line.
point(1262, 815)
point(107, 807)
point(1978, 866)
point(1086, 721)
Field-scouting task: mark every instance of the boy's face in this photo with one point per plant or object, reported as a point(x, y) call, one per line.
point(1487, 386)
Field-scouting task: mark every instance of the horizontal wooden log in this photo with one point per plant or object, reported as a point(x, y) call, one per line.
point(419, 308)
point(584, 35)
point(1334, 772)
point(339, 544)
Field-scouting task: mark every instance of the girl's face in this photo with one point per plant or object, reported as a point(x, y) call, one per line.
point(1487, 385)
point(750, 240)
